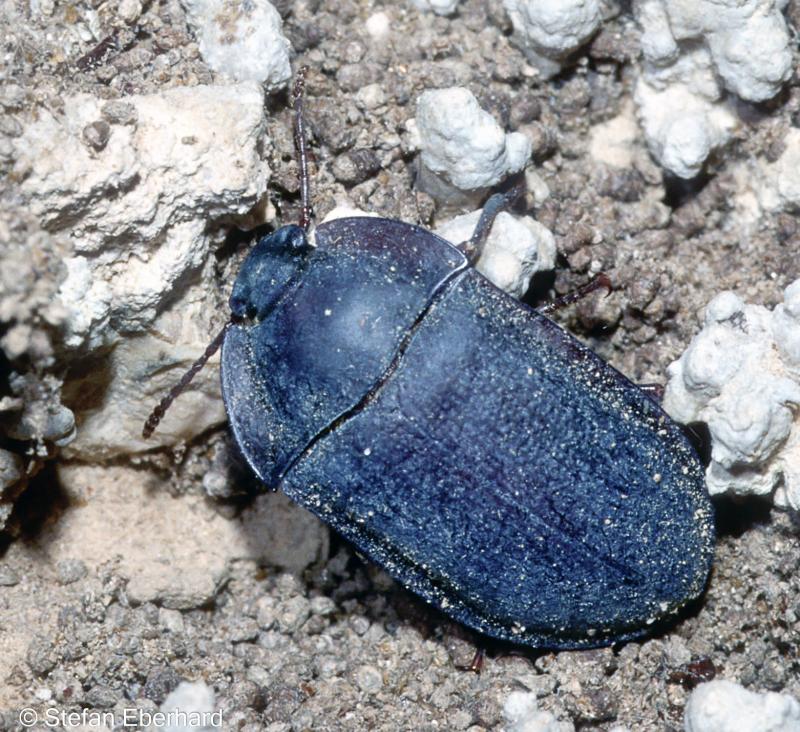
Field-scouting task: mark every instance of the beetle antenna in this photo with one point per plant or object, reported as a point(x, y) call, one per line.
point(161, 408)
point(306, 210)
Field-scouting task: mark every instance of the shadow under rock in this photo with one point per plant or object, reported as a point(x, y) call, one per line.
point(39, 506)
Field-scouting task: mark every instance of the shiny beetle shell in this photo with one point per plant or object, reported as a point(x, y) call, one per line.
point(464, 442)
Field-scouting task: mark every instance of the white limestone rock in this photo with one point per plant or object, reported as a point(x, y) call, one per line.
point(779, 182)
point(696, 54)
point(741, 376)
point(748, 40)
point(517, 248)
point(522, 714)
point(765, 187)
point(724, 706)
point(42, 419)
point(142, 209)
point(190, 707)
point(462, 148)
point(682, 113)
point(550, 30)
point(243, 40)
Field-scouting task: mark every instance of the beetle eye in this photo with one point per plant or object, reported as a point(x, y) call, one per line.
point(242, 307)
point(296, 241)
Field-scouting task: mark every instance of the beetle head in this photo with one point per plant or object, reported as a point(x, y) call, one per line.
point(273, 263)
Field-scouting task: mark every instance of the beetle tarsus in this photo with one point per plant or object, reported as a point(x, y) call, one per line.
point(598, 282)
point(476, 665)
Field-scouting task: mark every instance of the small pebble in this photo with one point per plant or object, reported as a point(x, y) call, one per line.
point(288, 585)
point(170, 620)
point(161, 681)
point(129, 10)
point(243, 630)
point(70, 570)
point(8, 577)
point(266, 612)
point(322, 605)
point(96, 134)
point(245, 693)
point(106, 73)
point(460, 720)
point(119, 112)
point(378, 25)
point(359, 624)
point(369, 679)
point(774, 673)
point(371, 96)
point(40, 656)
point(101, 697)
point(356, 166)
point(216, 484)
point(12, 96)
point(526, 108)
point(10, 126)
point(293, 613)
point(259, 675)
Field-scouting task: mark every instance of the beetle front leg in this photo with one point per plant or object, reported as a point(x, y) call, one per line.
point(472, 248)
point(599, 281)
point(476, 665)
point(654, 391)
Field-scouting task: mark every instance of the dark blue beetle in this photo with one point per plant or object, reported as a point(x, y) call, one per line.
point(481, 455)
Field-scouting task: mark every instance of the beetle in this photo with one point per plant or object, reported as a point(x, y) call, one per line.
point(467, 444)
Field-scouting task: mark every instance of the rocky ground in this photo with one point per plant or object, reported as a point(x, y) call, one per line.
point(129, 567)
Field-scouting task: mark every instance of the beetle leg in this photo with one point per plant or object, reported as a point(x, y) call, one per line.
point(473, 247)
point(476, 665)
point(306, 209)
point(599, 281)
